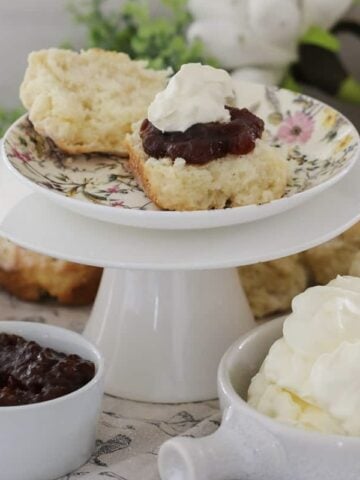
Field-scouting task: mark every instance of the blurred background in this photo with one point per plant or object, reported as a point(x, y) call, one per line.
point(30, 25)
point(27, 25)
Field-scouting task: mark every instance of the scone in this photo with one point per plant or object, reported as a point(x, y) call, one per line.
point(196, 151)
point(271, 286)
point(333, 258)
point(31, 276)
point(355, 266)
point(87, 101)
point(230, 181)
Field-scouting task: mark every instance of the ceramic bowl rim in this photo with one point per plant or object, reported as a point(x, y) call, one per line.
point(98, 361)
point(227, 390)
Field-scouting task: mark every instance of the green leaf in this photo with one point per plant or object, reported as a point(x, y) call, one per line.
point(131, 29)
point(8, 116)
point(318, 36)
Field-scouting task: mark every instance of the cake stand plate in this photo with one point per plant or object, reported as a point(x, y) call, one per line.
point(169, 303)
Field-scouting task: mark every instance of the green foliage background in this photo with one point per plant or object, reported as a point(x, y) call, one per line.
point(132, 29)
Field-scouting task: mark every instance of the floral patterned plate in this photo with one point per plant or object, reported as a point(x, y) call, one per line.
point(322, 146)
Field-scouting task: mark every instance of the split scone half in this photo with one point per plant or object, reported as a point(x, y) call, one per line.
point(86, 102)
point(31, 276)
point(230, 181)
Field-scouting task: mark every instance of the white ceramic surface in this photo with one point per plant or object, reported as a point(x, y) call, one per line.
point(164, 333)
point(47, 440)
point(124, 318)
point(33, 222)
point(250, 445)
point(321, 145)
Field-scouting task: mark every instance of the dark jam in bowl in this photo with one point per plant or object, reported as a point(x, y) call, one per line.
point(30, 373)
point(203, 142)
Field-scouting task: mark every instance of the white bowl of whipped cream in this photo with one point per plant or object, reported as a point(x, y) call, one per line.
point(290, 396)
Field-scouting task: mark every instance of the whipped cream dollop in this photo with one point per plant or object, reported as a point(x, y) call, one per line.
point(196, 94)
point(311, 376)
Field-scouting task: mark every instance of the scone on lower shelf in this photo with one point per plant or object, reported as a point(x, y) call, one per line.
point(333, 257)
point(271, 286)
point(31, 276)
point(255, 178)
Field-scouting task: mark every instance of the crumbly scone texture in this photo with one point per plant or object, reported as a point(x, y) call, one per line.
point(271, 286)
point(334, 257)
point(86, 102)
point(233, 181)
point(355, 266)
point(31, 276)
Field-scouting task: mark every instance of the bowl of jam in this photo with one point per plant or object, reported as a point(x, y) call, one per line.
point(51, 388)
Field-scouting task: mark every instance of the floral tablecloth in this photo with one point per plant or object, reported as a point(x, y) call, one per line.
point(129, 433)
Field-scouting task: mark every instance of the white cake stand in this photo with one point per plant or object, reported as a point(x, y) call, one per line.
point(170, 302)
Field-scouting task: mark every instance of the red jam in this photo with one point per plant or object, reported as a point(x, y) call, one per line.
point(203, 142)
point(30, 373)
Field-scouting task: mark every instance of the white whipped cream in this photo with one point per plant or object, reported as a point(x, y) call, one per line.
point(311, 376)
point(196, 94)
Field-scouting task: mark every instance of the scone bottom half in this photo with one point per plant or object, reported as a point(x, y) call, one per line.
point(256, 175)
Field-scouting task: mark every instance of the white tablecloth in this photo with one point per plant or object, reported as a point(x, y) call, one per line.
point(129, 433)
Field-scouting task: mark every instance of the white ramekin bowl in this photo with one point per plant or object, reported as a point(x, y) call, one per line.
point(47, 440)
point(249, 445)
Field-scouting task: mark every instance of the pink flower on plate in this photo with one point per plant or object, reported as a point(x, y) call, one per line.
point(113, 189)
point(24, 157)
point(117, 203)
point(296, 128)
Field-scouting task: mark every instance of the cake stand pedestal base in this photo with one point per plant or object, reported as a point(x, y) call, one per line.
point(163, 333)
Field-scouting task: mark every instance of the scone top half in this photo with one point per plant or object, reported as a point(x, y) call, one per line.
point(86, 102)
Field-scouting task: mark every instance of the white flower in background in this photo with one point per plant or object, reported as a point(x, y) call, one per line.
point(257, 39)
point(324, 13)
